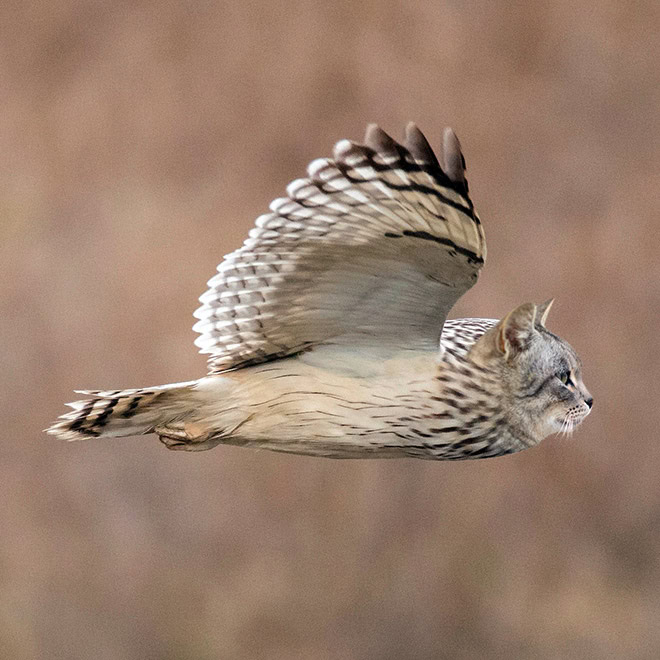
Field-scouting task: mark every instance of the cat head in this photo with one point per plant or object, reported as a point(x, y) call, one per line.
point(541, 374)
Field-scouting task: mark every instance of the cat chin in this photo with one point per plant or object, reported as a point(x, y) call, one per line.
point(566, 424)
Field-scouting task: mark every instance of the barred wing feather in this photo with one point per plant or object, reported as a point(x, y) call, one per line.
point(373, 249)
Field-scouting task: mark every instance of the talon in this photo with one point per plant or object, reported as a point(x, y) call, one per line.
point(186, 437)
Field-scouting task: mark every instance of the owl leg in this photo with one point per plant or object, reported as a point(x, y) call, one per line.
point(185, 436)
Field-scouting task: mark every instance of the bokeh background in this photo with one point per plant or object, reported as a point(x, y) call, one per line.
point(139, 140)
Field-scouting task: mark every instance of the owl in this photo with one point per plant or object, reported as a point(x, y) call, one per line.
point(327, 331)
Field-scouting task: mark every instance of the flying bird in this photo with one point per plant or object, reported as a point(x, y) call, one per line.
point(327, 331)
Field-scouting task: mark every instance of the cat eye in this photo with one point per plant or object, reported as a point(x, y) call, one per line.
point(565, 378)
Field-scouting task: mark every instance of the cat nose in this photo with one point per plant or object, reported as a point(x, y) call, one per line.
point(589, 401)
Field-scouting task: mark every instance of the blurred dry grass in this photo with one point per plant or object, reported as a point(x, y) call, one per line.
point(139, 141)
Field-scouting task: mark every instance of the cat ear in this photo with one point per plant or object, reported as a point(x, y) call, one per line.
point(510, 337)
point(515, 330)
point(543, 310)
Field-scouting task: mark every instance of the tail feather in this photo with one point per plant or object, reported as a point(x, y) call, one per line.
point(120, 413)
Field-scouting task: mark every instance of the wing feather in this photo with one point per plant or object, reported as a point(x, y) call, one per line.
point(372, 248)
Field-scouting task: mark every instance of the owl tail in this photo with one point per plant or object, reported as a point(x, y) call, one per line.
point(120, 413)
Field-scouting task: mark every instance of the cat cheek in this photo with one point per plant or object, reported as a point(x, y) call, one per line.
point(566, 396)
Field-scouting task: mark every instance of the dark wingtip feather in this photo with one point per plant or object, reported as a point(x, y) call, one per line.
point(454, 163)
point(418, 145)
point(378, 140)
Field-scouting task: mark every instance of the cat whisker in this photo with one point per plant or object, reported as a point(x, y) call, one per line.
point(567, 426)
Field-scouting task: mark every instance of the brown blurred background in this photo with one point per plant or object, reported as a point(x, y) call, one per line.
point(139, 141)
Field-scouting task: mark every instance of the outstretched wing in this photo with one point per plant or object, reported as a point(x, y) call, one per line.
point(373, 248)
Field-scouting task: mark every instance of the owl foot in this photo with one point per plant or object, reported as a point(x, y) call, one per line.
point(182, 436)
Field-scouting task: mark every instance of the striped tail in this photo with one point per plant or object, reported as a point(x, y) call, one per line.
point(120, 413)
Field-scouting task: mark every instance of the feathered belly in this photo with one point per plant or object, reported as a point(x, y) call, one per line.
point(294, 407)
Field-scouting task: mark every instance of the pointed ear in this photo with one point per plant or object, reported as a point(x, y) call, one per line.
point(543, 310)
point(515, 330)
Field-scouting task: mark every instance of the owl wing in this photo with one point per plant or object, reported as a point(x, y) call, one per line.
point(371, 249)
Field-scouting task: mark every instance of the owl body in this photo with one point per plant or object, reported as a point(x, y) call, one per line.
point(412, 405)
point(327, 331)
point(293, 405)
